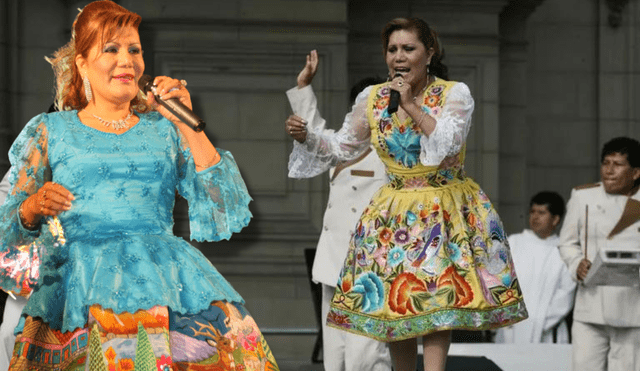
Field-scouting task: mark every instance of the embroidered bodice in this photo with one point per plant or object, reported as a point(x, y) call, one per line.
point(449, 103)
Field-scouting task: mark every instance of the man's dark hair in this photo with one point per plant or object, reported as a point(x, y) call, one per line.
point(624, 146)
point(553, 201)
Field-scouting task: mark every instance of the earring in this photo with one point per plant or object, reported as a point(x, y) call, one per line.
point(87, 89)
point(428, 70)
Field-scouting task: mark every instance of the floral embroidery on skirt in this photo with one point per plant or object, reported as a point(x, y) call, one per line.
point(429, 253)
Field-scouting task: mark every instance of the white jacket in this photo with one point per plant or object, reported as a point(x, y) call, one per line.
point(605, 305)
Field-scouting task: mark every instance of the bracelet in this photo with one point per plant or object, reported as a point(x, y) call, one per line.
point(27, 225)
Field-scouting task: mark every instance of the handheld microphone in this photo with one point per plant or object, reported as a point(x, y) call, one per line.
point(394, 100)
point(173, 105)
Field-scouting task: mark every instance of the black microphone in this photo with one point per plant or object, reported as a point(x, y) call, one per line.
point(395, 98)
point(173, 105)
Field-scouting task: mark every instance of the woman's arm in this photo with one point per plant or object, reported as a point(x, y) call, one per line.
point(451, 127)
point(203, 152)
point(323, 147)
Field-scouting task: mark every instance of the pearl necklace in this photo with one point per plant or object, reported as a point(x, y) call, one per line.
point(115, 124)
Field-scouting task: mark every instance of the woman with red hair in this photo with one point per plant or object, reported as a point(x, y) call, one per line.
point(92, 194)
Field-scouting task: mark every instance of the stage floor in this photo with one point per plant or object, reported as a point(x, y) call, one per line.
point(519, 357)
point(486, 357)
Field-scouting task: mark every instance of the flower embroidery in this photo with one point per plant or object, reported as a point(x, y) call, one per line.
point(400, 293)
point(432, 100)
point(382, 102)
point(396, 256)
point(462, 290)
point(370, 287)
point(345, 285)
point(404, 146)
point(385, 236)
point(401, 237)
point(380, 256)
point(436, 90)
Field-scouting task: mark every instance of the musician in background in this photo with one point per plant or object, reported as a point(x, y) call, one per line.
point(546, 283)
point(606, 319)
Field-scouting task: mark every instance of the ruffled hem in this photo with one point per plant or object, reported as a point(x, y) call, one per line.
point(413, 327)
point(126, 274)
point(219, 206)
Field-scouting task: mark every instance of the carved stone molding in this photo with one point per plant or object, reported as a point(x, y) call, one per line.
point(520, 9)
point(615, 12)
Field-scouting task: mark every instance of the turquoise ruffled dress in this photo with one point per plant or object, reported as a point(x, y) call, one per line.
point(120, 252)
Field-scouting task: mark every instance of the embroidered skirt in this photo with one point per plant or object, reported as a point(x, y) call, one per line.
point(428, 254)
point(222, 337)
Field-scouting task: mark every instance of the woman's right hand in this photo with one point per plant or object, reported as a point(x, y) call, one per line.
point(309, 70)
point(296, 127)
point(50, 200)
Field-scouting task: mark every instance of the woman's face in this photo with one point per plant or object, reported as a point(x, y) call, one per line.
point(115, 68)
point(407, 55)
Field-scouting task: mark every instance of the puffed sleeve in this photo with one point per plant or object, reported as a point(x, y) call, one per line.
point(325, 148)
point(29, 171)
point(217, 196)
point(452, 127)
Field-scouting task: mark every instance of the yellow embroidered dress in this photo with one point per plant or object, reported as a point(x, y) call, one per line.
point(429, 253)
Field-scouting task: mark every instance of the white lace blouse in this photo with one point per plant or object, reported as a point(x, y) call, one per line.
point(324, 148)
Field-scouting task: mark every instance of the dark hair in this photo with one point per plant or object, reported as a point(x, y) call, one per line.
point(624, 146)
point(361, 85)
point(553, 201)
point(427, 36)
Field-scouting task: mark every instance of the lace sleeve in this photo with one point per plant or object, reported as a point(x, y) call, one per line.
point(217, 196)
point(29, 171)
point(324, 148)
point(451, 129)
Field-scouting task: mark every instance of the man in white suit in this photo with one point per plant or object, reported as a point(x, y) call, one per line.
point(352, 185)
point(606, 327)
point(547, 286)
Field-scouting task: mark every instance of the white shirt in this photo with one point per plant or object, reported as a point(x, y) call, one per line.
point(547, 287)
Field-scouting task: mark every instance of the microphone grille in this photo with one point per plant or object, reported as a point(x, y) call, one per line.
point(145, 83)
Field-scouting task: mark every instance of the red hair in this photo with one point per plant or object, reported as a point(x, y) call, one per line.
point(96, 24)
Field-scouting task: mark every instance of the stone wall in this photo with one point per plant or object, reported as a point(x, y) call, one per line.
point(568, 84)
point(552, 81)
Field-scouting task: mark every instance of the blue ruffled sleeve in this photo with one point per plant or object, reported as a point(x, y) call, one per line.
point(29, 171)
point(218, 197)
